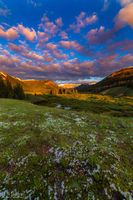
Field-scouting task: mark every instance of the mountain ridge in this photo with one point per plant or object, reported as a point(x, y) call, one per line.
point(120, 78)
point(33, 86)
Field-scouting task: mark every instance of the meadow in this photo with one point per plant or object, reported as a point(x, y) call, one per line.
point(66, 148)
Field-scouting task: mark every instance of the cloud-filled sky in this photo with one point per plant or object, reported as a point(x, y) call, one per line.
point(65, 39)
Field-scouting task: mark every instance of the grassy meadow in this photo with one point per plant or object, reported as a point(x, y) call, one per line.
point(66, 148)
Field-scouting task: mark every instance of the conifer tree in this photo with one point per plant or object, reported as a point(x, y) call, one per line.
point(18, 92)
point(3, 89)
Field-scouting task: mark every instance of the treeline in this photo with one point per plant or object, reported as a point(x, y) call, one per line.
point(8, 91)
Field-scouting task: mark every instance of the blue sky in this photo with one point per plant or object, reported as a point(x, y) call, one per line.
point(65, 39)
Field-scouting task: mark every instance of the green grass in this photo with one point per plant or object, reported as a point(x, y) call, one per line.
point(51, 153)
point(119, 91)
point(90, 103)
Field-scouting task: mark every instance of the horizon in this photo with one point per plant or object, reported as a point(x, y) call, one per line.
point(66, 41)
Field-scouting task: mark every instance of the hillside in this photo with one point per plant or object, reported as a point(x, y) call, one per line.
point(118, 91)
point(122, 78)
point(36, 86)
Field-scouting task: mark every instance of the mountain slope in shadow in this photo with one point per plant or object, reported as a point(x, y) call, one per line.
point(122, 80)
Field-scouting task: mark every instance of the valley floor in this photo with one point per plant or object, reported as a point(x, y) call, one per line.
point(49, 152)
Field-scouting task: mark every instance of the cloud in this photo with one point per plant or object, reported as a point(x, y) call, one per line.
point(42, 38)
point(127, 59)
point(8, 61)
point(9, 34)
point(51, 46)
point(75, 46)
point(25, 52)
point(17, 48)
point(106, 64)
point(82, 21)
point(49, 27)
point(126, 45)
point(94, 34)
point(53, 49)
point(76, 68)
point(59, 22)
point(64, 35)
point(35, 65)
point(72, 45)
point(30, 34)
point(33, 56)
point(125, 2)
point(13, 33)
point(100, 35)
point(125, 16)
point(54, 70)
point(4, 11)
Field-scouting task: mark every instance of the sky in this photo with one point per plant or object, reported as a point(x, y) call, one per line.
point(65, 40)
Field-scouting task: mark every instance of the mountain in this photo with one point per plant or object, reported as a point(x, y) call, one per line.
point(6, 77)
point(35, 86)
point(121, 79)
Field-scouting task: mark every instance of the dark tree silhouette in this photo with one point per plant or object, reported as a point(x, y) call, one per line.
point(7, 91)
point(18, 92)
point(3, 89)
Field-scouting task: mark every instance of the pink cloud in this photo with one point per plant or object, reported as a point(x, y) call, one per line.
point(17, 48)
point(49, 27)
point(71, 45)
point(42, 38)
point(76, 68)
point(9, 34)
point(125, 2)
point(30, 34)
point(66, 69)
point(9, 61)
point(127, 59)
point(97, 36)
point(58, 54)
point(25, 52)
point(47, 56)
point(55, 51)
point(106, 64)
point(93, 34)
point(126, 45)
point(59, 22)
point(125, 16)
point(64, 35)
point(51, 46)
point(33, 56)
point(82, 21)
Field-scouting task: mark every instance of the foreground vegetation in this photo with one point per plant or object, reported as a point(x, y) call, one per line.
point(87, 103)
point(65, 152)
